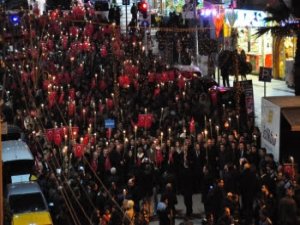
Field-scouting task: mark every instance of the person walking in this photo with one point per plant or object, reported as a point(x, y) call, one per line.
point(133, 12)
point(224, 61)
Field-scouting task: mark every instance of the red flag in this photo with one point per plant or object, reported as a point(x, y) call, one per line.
point(78, 150)
point(164, 77)
point(49, 134)
point(145, 120)
point(124, 81)
point(71, 109)
point(52, 98)
point(86, 139)
point(61, 98)
point(72, 93)
point(57, 136)
point(108, 133)
point(73, 31)
point(89, 29)
point(192, 125)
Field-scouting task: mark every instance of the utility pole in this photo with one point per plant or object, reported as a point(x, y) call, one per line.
point(196, 32)
point(1, 168)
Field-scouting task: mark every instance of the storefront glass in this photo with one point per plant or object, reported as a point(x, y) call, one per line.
point(258, 49)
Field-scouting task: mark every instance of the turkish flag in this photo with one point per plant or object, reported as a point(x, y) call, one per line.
point(88, 29)
point(192, 125)
point(86, 139)
point(57, 136)
point(145, 120)
point(52, 98)
point(49, 134)
point(164, 77)
point(71, 109)
point(72, 93)
point(124, 81)
point(73, 31)
point(78, 150)
point(61, 98)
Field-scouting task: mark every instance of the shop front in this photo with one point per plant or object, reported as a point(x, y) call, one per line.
point(246, 24)
point(284, 49)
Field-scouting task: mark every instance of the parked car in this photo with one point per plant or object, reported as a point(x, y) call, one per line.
point(27, 204)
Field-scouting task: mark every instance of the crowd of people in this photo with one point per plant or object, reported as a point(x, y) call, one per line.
point(117, 135)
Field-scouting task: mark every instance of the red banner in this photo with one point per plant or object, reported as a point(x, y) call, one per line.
point(49, 134)
point(78, 150)
point(145, 120)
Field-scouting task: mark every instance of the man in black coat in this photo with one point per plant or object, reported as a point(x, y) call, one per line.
point(248, 190)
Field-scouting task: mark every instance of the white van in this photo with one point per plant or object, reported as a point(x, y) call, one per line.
point(18, 161)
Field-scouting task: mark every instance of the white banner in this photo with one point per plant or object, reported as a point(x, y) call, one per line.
point(270, 124)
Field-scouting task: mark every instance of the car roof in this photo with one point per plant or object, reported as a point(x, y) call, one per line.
point(187, 68)
point(13, 133)
point(14, 150)
point(23, 188)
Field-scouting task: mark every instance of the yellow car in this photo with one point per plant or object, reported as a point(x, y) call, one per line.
point(28, 204)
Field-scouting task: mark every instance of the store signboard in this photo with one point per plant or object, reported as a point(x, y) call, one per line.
point(265, 74)
point(251, 18)
point(270, 124)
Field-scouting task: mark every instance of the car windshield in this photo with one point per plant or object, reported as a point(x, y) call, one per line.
point(27, 203)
